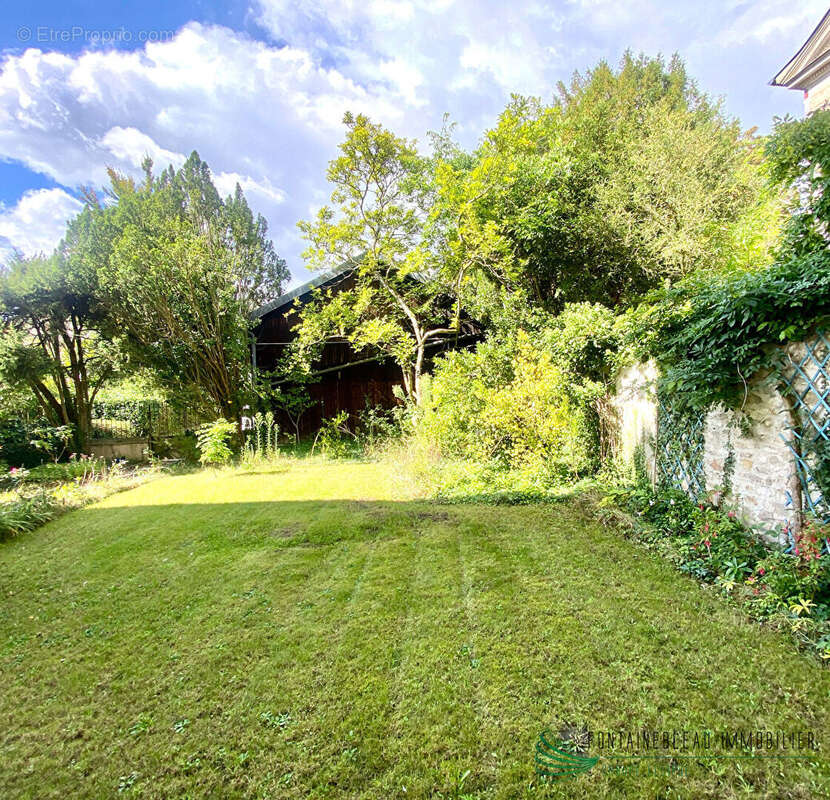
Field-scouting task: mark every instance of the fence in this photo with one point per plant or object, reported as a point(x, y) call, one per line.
point(680, 449)
point(148, 419)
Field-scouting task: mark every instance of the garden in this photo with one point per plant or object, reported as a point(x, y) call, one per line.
point(405, 601)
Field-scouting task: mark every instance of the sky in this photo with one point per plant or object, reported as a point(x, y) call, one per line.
point(259, 88)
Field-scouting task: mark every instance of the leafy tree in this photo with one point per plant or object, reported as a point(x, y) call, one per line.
point(181, 271)
point(629, 179)
point(799, 155)
point(402, 299)
point(54, 340)
point(214, 441)
point(286, 388)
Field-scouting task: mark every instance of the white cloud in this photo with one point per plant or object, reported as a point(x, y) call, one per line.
point(265, 117)
point(37, 223)
point(131, 146)
point(769, 21)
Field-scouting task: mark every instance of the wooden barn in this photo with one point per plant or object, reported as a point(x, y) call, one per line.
point(345, 380)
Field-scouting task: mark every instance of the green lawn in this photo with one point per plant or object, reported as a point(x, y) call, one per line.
point(311, 632)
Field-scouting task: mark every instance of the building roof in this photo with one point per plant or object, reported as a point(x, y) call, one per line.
point(289, 297)
point(811, 63)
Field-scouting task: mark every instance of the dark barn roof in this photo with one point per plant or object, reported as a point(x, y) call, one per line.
point(320, 282)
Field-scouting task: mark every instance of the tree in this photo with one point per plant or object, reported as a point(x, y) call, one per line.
point(799, 156)
point(629, 179)
point(181, 271)
point(378, 224)
point(55, 337)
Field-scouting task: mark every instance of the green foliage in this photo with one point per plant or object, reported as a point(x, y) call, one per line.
point(261, 445)
point(712, 545)
point(27, 444)
point(713, 332)
point(335, 439)
point(378, 224)
point(214, 439)
point(508, 405)
point(184, 446)
point(378, 427)
point(286, 387)
point(725, 326)
point(15, 444)
point(30, 498)
point(799, 157)
point(80, 468)
point(181, 270)
point(632, 177)
point(529, 406)
point(55, 338)
point(27, 512)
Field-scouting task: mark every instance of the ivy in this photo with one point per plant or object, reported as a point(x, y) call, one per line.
point(713, 332)
point(730, 327)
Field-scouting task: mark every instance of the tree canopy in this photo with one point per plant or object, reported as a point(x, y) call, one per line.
point(159, 275)
point(628, 179)
point(180, 272)
point(378, 223)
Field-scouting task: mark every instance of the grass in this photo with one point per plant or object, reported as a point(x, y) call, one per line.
point(307, 631)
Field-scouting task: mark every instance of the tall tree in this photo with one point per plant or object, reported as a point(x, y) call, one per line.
point(379, 224)
point(54, 339)
point(629, 179)
point(181, 271)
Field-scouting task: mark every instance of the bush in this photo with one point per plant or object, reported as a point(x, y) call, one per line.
point(508, 406)
point(77, 468)
point(213, 440)
point(712, 545)
point(334, 439)
point(24, 445)
point(379, 427)
point(27, 512)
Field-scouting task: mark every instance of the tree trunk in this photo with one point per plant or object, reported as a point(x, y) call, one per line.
point(416, 373)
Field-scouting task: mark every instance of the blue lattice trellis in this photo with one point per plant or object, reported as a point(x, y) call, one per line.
point(806, 379)
point(680, 449)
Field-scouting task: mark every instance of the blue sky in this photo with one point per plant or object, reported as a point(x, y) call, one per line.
point(259, 88)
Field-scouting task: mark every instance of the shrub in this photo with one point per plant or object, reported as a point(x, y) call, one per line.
point(378, 427)
point(213, 440)
point(334, 439)
point(508, 405)
point(712, 545)
point(25, 445)
point(26, 512)
point(184, 446)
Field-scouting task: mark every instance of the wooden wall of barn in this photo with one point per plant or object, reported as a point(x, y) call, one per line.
point(348, 380)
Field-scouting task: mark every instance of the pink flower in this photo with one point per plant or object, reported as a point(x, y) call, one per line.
point(14, 470)
point(731, 515)
point(707, 543)
point(761, 571)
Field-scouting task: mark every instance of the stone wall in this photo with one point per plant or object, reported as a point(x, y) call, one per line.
point(764, 470)
point(131, 449)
